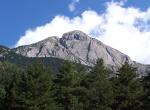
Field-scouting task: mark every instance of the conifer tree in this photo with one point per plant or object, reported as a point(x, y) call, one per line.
point(128, 89)
point(8, 72)
point(68, 91)
point(146, 85)
point(31, 90)
point(100, 88)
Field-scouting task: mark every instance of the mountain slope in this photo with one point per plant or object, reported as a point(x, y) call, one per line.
point(7, 55)
point(3, 51)
point(75, 46)
point(78, 47)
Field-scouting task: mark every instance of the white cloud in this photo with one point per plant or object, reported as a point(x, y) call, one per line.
point(126, 29)
point(72, 6)
point(60, 25)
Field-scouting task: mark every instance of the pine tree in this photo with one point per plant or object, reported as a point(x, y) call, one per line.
point(31, 90)
point(128, 89)
point(2, 97)
point(146, 85)
point(8, 72)
point(68, 91)
point(100, 88)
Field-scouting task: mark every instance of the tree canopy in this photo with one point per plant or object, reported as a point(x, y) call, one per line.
point(73, 87)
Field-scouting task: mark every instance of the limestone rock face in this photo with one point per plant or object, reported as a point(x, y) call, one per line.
point(78, 47)
point(50, 47)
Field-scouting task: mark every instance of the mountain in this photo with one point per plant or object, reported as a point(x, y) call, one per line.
point(78, 47)
point(3, 51)
point(7, 55)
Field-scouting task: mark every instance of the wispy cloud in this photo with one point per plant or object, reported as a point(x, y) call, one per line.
point(72, 5)
point(126, 29)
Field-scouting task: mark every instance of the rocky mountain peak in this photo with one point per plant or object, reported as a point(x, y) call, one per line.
point(78, 47)
point(3, 49)
point(75, 35)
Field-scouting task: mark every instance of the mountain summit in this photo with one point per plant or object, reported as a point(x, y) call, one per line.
point(78, 47)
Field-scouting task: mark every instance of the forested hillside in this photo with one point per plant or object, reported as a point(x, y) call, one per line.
point(6, 55)
point(72, 87)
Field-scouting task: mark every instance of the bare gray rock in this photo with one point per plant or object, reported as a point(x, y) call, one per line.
point(78, 47)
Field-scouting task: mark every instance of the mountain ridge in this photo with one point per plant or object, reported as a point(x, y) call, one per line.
point(78, 47)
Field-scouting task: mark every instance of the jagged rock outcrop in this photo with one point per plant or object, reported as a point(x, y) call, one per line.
point(3, 51)
point(78, 47)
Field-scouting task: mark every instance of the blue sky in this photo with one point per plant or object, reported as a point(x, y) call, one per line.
point(113, 22)
point(16, 16)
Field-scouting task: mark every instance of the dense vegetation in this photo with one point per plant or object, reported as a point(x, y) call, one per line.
point(72, 88)
point(24, 62)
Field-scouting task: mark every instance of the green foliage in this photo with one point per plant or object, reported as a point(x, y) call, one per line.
point(128, 89)
point(25, 62)
point(100, 88)
point(67, 87)
point(2, 96)
point(7, 77)
point(74, 87)
point(7, 73)
point(30, 90)
point(146, 85)
point(33, 89)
